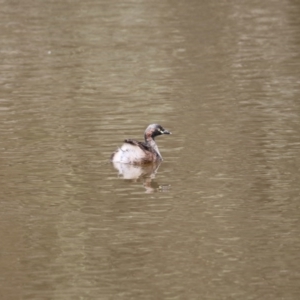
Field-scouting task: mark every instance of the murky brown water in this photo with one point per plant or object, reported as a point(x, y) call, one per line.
point(219, 218)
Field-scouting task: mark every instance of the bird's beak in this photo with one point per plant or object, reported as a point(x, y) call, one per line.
point(167, 132)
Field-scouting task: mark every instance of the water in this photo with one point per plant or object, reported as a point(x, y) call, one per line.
point(218, 219)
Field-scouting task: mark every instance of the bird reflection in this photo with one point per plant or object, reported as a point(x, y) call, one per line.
point(146, 173)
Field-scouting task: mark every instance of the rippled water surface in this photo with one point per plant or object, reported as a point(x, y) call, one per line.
point(219, 218)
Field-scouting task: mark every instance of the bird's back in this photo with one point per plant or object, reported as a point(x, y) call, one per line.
point(134, 152)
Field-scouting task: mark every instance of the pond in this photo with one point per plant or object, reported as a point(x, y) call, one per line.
point(218, 218)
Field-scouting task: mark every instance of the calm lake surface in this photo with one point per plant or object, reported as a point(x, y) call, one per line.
point(219, 218)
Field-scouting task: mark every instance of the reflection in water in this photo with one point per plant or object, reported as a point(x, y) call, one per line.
point(146, 173)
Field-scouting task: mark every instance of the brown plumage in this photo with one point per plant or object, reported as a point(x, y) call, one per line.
point(134, 152)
